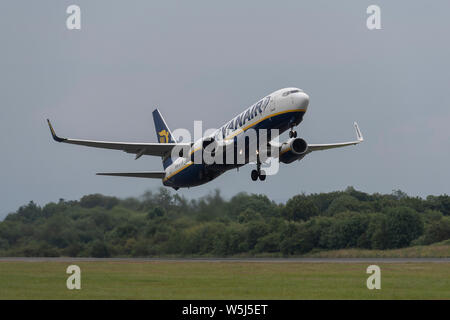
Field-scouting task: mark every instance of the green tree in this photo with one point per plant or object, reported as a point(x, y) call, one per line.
point(437, 231)
point(345, 230)
point(99, 249)
point(255, 230)
point(345, 203)
point(249, 215)
point(300, 208)
point(259, 203)
point(402, 226)
point(155, 212)
point(297, 239)
point(98, 200)
point(440, 203)
point(28, 213)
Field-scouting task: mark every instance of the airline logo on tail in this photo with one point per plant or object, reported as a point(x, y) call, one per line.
point(163, 136)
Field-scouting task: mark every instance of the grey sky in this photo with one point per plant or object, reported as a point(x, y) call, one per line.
point(208, 60)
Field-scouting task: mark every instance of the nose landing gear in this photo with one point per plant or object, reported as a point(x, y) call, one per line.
point(292, 133)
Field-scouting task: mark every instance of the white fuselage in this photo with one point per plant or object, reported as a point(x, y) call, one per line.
point(276, 111)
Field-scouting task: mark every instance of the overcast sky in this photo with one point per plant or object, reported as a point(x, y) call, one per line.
point(209, 60)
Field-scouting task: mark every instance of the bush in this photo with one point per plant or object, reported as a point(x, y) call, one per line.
point(438, 231)
point(99, 249)
point(345, 231)
point(98, 200)
point(402, 226)
point(300, 208)
point(162, 223)
point(345, 203)
point(268, 243)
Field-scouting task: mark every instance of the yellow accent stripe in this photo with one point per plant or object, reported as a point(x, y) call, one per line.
point(195, 150)
point(240, 130)
point(174, 173)
point(256, 122)
point(234, 134)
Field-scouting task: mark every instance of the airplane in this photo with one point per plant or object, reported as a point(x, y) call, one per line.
point(281, 110)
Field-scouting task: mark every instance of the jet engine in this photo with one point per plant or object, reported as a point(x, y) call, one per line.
point(293, 149)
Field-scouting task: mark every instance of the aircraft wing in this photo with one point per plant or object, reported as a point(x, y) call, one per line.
point(148, 174)
point(140, 149)
point(317, 147)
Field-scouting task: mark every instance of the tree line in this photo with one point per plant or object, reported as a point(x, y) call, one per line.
point(166, 224)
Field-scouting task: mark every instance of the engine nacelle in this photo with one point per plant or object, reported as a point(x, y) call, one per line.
point(293, 149)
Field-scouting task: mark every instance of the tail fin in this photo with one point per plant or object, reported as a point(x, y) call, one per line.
point(163, 134)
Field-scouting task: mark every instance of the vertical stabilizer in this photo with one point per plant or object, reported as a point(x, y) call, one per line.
point(162, 130)
point(163, 134)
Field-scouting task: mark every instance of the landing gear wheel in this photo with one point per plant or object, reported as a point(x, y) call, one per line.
point(292, 134)
point(258, 173)
point(262, 175)
point(254, 175)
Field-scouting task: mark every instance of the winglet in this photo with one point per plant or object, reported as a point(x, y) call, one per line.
point(55, 137)
point(358, 132)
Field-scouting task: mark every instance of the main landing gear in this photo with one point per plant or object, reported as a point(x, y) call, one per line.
point(258, 173)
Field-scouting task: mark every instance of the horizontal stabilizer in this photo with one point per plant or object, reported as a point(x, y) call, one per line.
point(145, 174)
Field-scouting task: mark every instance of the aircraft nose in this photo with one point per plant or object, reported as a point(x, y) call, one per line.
point(301, 100)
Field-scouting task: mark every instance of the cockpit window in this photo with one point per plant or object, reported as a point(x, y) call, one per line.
point(286, 93)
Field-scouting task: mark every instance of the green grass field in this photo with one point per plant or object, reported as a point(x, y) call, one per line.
point(223, 280)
